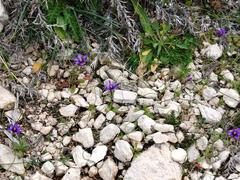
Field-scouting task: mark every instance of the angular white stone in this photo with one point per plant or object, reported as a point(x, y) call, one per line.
point(227, 75)
point(209, 114)
point(179, 155)
point(127, 127)
point(39, 176)
point(9, 161)
point(99, 121)
point(124, 97)
point(85, 137)
point(108, 133)
point(72, 174)
point(98, 154)
point(80, 156)
point(164, 127)
point(108, 170)
point(68, 111)
point(94, 99)
point(135, 136)
point(213, 51)
point(123, 151)
point(159, 138)
point(172, 107)
point(7, 99)
point(154, 164)
point(209, 93)
point(146, 124)
point(80, 101)
point(230, 96)
point(202, 143)
point(133, 116)
point(192, 153)
point(145, 102)
point(147, 93)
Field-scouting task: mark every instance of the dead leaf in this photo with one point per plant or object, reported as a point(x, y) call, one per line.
point(37, 66)
point(141, 69)
point(154, 68)
point(216, 4)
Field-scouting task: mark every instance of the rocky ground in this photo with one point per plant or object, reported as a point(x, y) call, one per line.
point(157, 127)
point(95, 119)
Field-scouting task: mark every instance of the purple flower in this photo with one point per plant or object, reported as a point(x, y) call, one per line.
point(109, 85)
point(234, 133)
point(221, 32)
point(15, 128)
point(81, 60)
point(189, 78)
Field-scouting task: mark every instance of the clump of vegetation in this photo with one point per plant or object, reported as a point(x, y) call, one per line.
point(171, 119)
point(161, 45)
point(187, 142)
point(21, 147)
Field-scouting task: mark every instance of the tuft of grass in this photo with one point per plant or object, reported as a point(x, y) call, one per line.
point(148, 113)
point(171, 119)
point(22, 147)
point(187, 142)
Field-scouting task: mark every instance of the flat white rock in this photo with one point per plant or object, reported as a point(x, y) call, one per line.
point(7, 99)
point(227, 75)
point(172, 107)
point(147, 93)
point(146, 124)
point(108, 170)
point(209, 93)
point(98, 154)
point(72, 174)
point(108, 133)
point(210, 115)
point(213, 51)
point(124, 97)
point(192, 153)
point(68, 111)
point(80, 156)
point(80, 101)
point(154, 164)
point(85, 137)
point(123, 151)
point(230, 97)
point(9, 161)
point(38, 176)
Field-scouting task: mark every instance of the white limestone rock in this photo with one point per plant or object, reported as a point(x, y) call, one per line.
point(209, 93)
point(108, 170)
point(68, 111)
point(230, 97)
point(155, 164)
point(210, 115)
point(213, 51)
point(123, 151)
point(147, 93)
point(72, 174)
point(108, 133)
point(48, 168)
point(80, 156)
point(192, 153)
point(227, 75)
point(98, 154)
point(146, 124)
point(172, 107)
point(124, 97)
point(85, 137)
point(7, 99)
point(80, 101)
point(9, 161)
point(179, 155)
